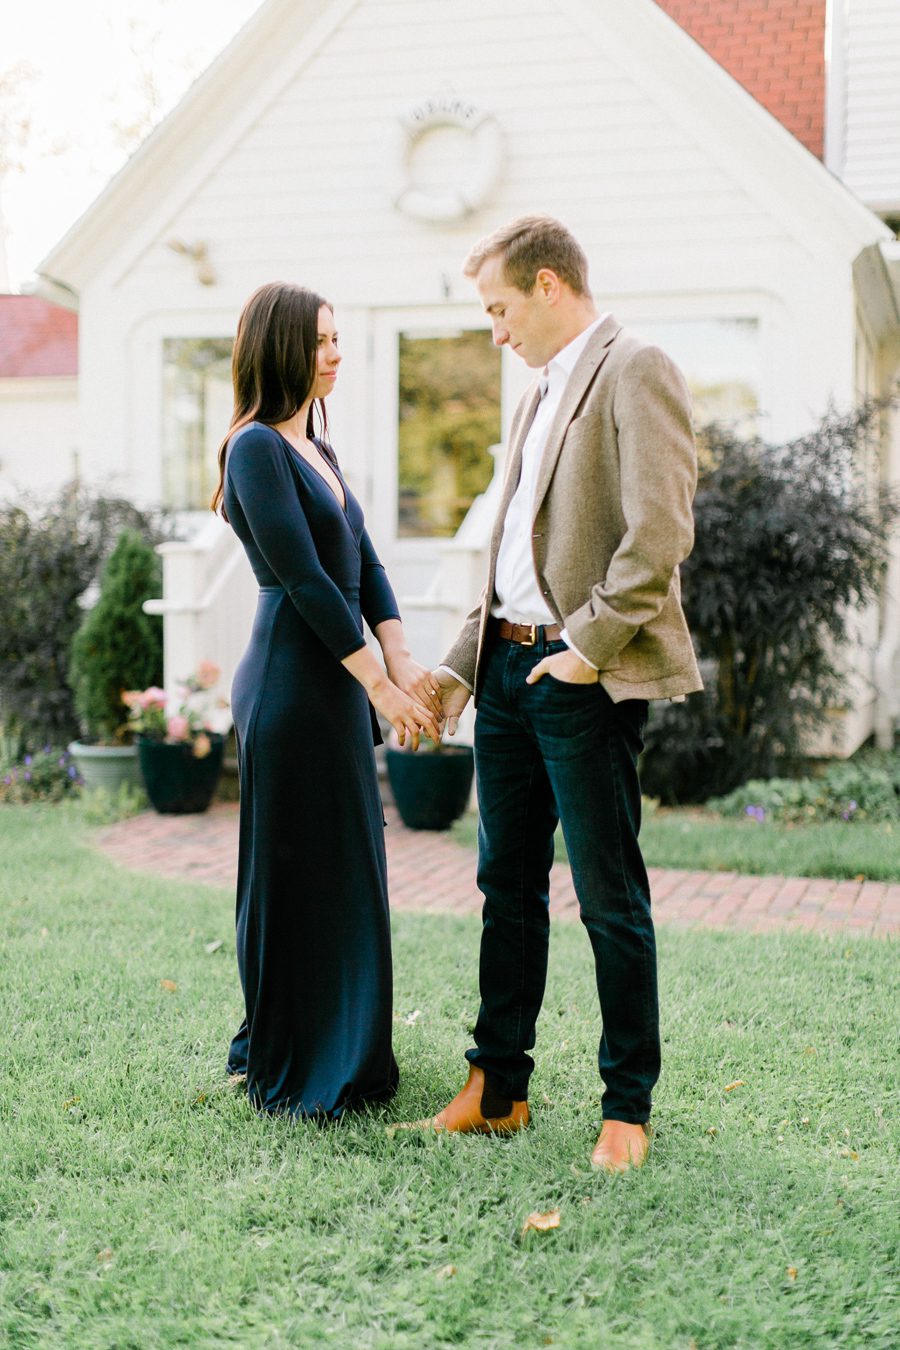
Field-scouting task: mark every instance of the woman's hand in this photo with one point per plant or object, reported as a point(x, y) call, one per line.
point(414, 680)
point(407, 715)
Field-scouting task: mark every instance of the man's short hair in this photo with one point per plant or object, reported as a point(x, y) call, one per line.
point(528, 244)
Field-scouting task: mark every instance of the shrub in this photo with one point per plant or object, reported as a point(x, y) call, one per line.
point(50, 553)
point(789, 539)
point(866, 787)
point(118, 646)
point(46, 776)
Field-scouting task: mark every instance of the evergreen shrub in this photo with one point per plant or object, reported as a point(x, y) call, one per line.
point(118, 647)
point(791, 540)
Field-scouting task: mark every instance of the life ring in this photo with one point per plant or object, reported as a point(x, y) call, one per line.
point(486, 140)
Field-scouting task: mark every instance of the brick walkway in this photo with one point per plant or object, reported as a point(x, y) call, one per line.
point(429, 871)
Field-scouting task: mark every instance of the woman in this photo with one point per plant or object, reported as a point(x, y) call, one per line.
point(313, 938)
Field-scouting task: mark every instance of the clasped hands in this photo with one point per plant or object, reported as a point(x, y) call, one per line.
point(437, 698)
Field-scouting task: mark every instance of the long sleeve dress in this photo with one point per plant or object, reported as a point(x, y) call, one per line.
point(313, 936)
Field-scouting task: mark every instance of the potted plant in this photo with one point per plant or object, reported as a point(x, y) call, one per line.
point(431, 786)
point(116, 647)
point(179, 749)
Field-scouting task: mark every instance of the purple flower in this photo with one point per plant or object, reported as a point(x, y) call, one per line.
point(73, 772)
point(47, 749)
point(7, 780)
point(28, 759)
point(757, 813)
point(61, 761)
point(851, 807)
point(28, 778)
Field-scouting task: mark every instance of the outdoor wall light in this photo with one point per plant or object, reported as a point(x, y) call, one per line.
point(199, 256)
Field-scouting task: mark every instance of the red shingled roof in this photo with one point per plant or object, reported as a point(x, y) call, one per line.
point(775, 48)
point(36, 337)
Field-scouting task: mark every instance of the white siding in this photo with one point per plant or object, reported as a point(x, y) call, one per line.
point(871, 150)
point(38, 435)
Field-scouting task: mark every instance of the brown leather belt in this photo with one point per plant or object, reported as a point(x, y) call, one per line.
point(527, 633)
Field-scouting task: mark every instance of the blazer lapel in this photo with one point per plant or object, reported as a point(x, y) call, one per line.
point(586, 367)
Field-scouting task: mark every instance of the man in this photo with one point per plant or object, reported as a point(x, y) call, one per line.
point(579, 625)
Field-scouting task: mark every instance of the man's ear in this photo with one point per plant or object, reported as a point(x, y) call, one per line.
point(547, 285)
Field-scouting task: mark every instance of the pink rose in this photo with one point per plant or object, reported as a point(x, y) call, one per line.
point(153, 697)
point(178, 728)
point(131, 698)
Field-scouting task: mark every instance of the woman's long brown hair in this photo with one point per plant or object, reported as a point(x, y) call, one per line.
point(273, 366)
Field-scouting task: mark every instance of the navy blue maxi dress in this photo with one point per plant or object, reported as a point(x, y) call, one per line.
point(313, 936)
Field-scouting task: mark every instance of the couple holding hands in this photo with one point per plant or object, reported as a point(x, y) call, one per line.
point(579, 625)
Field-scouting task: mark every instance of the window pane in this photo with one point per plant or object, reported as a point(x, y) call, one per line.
point(197, 402)
point(720, 359)
point(449, 416)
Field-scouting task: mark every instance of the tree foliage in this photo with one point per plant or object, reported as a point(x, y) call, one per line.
point(50, 553)
point(791, 540)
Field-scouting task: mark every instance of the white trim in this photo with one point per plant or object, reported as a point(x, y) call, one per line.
point(835, 85)
point(38, 387)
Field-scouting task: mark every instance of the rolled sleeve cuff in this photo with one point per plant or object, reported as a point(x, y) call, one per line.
point(459, 679)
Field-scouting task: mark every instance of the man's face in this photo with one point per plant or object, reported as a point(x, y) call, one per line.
point(524, 322)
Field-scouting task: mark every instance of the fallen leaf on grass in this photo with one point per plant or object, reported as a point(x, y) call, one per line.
point(445, 1273)
point(850, 1153)
point(105, 1256)
point(169, 985)
point(210, 947)
point(541, 1223)
point(738, 1082)
point(72, 1101)
point(792, 1272)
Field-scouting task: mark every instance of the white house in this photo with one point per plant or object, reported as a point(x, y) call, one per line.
point(361, 146)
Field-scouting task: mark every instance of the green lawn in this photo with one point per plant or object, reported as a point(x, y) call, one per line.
point(697, 840)
point(143, 1204)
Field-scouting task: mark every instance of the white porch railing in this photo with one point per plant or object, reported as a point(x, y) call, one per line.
point(208, 592)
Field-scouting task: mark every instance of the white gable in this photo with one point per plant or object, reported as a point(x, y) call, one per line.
point(599, 110)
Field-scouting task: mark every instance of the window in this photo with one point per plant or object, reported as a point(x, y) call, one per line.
point(721, 361)
point(449, 416)
point(197, 403)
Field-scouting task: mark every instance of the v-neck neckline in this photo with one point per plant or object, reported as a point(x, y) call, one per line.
point(303, 460)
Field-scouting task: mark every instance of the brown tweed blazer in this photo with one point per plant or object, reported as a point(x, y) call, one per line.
point(612, 519)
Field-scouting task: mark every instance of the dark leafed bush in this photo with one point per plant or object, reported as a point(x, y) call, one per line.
point(118, 646)
point(790, 539)
point(50, 552)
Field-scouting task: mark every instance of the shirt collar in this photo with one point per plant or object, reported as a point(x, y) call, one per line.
point(560, 367)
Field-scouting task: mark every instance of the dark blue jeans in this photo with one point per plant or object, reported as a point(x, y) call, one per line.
point(544, 753)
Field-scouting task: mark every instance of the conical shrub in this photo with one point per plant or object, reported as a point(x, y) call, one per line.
point(118, 646)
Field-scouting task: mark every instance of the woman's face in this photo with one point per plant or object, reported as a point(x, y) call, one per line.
point(328, 358)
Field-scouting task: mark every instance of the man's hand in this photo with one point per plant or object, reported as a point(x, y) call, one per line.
point(567, 667)
point(454, 697)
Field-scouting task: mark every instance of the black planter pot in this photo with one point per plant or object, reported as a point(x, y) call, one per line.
point(177, 782)
point(431, 788)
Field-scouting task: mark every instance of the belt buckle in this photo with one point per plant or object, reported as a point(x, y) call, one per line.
point(532, 636)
